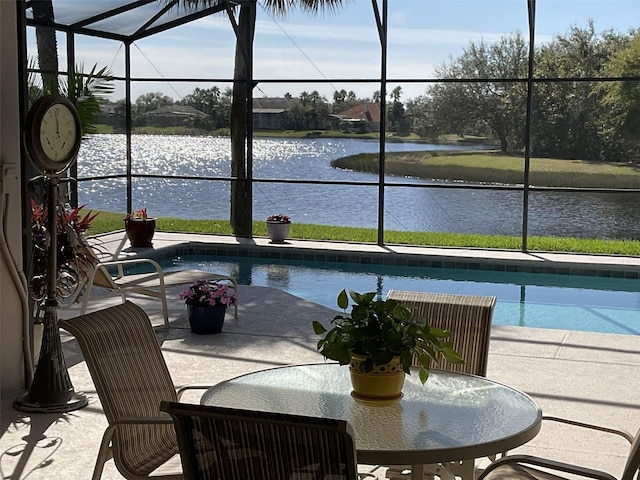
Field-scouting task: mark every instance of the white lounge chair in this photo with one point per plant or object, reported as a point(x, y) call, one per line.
point(113, 278)
point(150, 284)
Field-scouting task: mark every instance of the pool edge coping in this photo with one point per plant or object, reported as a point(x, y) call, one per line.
point(167, 244)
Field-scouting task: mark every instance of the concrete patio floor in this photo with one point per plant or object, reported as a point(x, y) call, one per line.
point(588, 377)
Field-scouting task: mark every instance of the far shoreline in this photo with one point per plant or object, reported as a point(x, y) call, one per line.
point(301, 134)
point(486, 165)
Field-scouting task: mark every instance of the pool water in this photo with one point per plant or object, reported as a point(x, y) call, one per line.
point(594, 304)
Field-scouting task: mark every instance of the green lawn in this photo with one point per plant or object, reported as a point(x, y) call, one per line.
point(494, 167)
point(108, 222)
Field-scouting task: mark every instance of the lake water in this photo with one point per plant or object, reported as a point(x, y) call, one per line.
point(406, 209)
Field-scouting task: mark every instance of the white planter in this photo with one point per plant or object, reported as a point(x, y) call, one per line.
point(277, 231)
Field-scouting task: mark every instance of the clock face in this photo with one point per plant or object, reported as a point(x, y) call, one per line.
point(58, 132)
point(52, 134)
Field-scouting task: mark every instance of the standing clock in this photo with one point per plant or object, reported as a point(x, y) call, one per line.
point(52, 137)
point(52, 134)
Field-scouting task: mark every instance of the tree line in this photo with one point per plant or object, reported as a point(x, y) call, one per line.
point(307, 111)
point(577, 110)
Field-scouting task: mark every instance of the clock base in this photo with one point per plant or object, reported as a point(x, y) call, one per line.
point(51, 390)
point(26, 403)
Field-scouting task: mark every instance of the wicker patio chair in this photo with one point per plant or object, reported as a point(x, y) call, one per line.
point(131, 378)
point(468, 319)
point(232, 444)
point(149, 284)
point(527, 467)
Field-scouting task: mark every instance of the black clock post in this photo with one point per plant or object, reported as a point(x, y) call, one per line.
point(51, 390)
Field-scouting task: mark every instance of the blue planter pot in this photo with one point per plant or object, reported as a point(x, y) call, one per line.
point(206, 320)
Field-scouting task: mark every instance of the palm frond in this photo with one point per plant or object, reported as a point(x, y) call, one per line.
point(85, 90)
point(193, 4)
point(282, 7)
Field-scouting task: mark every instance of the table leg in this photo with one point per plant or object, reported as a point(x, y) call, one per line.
point(464, 469)
point(429, 472)
point(417, 472)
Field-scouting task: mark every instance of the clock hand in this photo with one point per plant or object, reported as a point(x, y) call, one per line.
point(57, 125)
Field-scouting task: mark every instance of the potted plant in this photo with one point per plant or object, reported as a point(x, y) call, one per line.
point(278, 227)
point(140, 228)
point(207, 304)
point(379, 340)
point(74, 258)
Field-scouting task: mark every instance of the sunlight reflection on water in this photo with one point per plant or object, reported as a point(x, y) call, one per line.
point(412, 209)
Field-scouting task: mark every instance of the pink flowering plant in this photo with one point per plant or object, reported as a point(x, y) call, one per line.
point(203, 293)
point(279, 217)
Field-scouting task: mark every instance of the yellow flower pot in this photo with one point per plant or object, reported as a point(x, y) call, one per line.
point(384, 382)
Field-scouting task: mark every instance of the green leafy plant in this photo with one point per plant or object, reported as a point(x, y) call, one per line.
point(380, 330)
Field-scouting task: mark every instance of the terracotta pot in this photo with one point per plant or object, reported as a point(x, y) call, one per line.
point(206, 320)
point(384, 382)
point(277, 231)
point(140, 231)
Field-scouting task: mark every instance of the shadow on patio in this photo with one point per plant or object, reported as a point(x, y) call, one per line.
point(586, 376)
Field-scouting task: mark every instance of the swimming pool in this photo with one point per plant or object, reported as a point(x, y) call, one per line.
point(568, 302)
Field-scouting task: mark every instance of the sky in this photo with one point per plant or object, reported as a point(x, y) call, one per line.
point(341, 45)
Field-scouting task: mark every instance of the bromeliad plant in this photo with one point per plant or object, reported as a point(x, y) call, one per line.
point(140, 214)
point(380, 330)
point(74, 256)
point(203, 293)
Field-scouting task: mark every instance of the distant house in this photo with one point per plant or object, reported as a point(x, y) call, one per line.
point(174, 115)
point(361, 118)
point(271, 113)
point(108, 115)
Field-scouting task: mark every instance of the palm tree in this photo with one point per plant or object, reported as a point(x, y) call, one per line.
point(241, 220)
point(47, 45)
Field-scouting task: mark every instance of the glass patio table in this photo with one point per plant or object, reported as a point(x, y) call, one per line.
point(453, 417)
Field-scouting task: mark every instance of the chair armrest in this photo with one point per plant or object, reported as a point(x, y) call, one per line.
point(621, 433)
point(184, 388)
point(545, 463)
point(134, 261)
point(586, 472)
